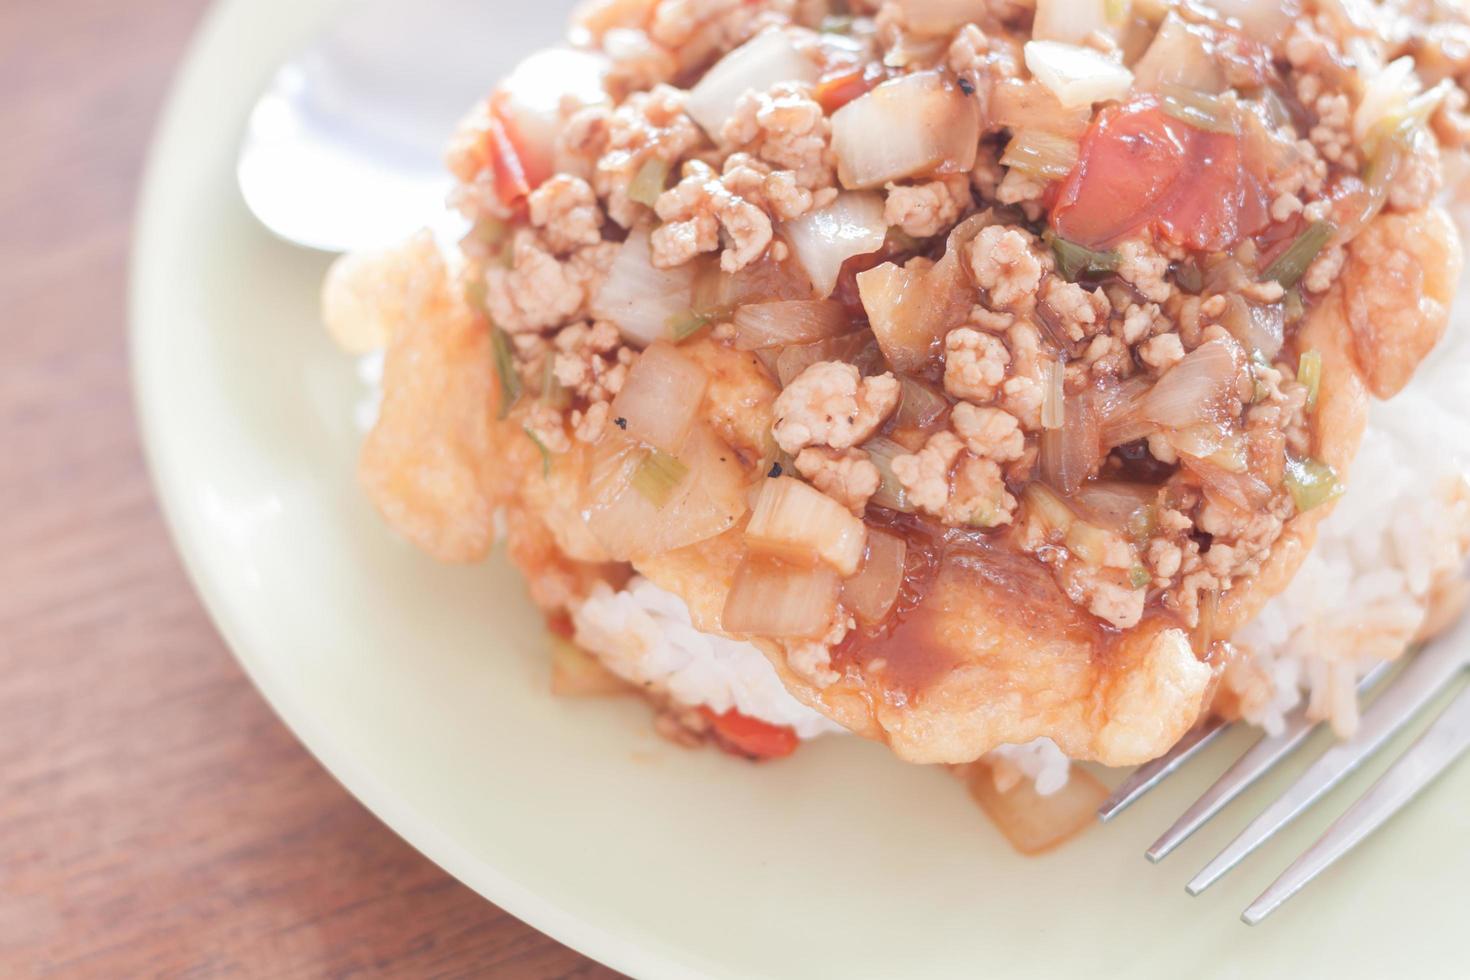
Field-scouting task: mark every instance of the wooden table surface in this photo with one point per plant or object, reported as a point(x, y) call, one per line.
point(155, 817)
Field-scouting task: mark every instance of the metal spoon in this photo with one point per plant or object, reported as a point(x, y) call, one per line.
point(344, 148)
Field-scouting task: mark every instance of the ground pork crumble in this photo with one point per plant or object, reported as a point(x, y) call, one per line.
point(1048, 375)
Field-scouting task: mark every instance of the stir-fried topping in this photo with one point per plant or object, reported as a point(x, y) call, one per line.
point(1033, 275)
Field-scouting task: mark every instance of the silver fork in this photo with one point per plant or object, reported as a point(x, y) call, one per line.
point(1424, 676)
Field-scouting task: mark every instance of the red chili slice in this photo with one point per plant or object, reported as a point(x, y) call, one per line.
point(750, 736)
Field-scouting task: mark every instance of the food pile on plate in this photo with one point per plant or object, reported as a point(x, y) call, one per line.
point(983, 377)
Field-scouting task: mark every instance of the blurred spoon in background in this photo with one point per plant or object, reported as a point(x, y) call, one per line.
point(344, 149)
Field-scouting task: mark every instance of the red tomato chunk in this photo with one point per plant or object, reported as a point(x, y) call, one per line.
point(1139, 168)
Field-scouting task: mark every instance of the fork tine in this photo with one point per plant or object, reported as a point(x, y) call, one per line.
point(1426, 674)
point(1440, 745)
point(1150, 774)
point(1251, 766)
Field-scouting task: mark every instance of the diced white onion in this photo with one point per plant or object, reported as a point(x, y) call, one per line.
point(1197, 388)
point(858, 349)
point(1385, 96)
point(755, 66)
point(707, 502)
point(1069, 20)
point(871, 593)
point(909, 307)
point(942, 17)
point(1076, 75)
point(791, 321)
point(640, 299)
point(882, 452)
point(1266, 21)
point(920, 404)
point(1029, 105)
point(1180, 55)
point(534, 95)
point(797, 522)
point(827, 237)
point(772, 598)
point(911, 126)
point(660, 397)
point(1071, 453)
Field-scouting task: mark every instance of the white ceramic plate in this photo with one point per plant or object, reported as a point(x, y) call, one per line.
point(424, 688)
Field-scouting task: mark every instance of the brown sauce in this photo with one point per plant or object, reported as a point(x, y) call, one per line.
point(906, 653)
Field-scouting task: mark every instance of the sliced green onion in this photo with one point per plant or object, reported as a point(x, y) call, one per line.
point(1076, 261)
point(553, 392)
point(657, 477)
point(545, 453)
point(1309, 373)
point(1199, 109)
point(1143, 522)
point(1138, 576)
point(474, 294)
point(684, 325)
point(1292, 264)
point(1190, 277)
point(648, 183)
point(489, 232)
point(1292, 306)
point(505, 369)
point(837, 24)
point(1039, 154)
point(1259, 363)
point(1312, 483)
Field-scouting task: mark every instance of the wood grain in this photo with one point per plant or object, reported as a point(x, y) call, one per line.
point(155, 817)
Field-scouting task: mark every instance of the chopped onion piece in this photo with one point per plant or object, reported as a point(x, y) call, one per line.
point(1240, 489)
point(1037, 153)
point(1309, 373)
point(799, 523)
point(1018, 105)
point(1181, 55)
point(1034, 823)
point(1198, 388)
point(1070, 453)
point(1077, 76)
point(911, 307)
point(1043, 504)
point(649, 182)
point(942, 17)
point(920, 404)
point(772, 598)
point(1053, 400)
point(1069, 20)
point(660, 397)
point(1120, 410)
point(791, 321)
point(910, 126)
point(1292, 264)
point(823, 239)
point(861, 350)
point(708, 502)
point(872, 592)
point(1312, 483)
point(657, 476)
point(755, 66)
point(531, 99)
point(1384, 96)
point(1267, 21)
point(891, 494)
point(1128, 508)
point(1260, 329)
point(1087, 542)
point(640, 299)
